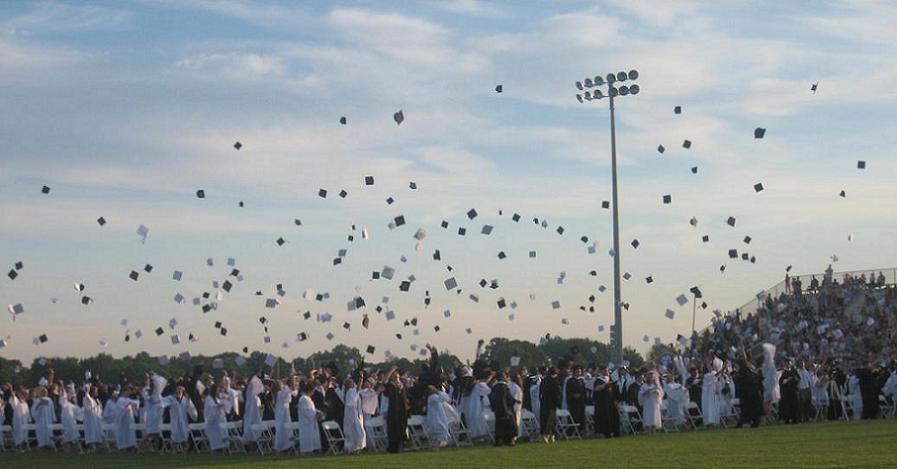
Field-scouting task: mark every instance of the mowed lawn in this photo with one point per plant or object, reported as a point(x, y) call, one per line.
point(837, 444)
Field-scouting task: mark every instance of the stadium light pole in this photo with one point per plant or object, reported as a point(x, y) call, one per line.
point(612, 92)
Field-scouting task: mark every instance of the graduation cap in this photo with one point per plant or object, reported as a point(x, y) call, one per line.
point(731, 221)
point(670, 314)
point(343, 193)
point(759, 132)
point(694, 170)
point(370, 349)
point(101, 221)
point(148, 268)
point(280, 241)
point(238, 145)
point(758, 187)
point(322, 193)
point(342, 120)
point(733, 253)
point(560, 230)
point(747, 240)
point(405, 286)
point(635, 243)
point(399, 220)
point(462, 231)
point(681, 299)
point(744, 256)
point(677, 110)
point(696, 292)
point(605, 204)
point(412, 185)
point(843, 194)
point(487, 230)
point(85, 300)
point(502, 255)
point(389, 200)
point(43, 338)
point(813, 87)
point(369, 180)
point(627, 276)
point(240, 204)
point(143, 232)
point(667, 199)
point(16, 309)
point(12, 274)
point(201, 194)
point(705, 238)
point(159, 331)
point(133, 275)
point(399, 117)
point(498, 88)
point(788, 269)
point(861, 164)
point(648, 279)
point(722, 268)
point(472, 213)
point(685, 144)
point(660, 149)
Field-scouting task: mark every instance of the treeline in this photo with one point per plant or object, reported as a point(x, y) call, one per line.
point(498, 352)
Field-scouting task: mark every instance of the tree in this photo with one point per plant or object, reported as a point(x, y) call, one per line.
point(500, 351)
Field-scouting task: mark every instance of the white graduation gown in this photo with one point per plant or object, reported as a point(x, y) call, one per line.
point(21, 415)
point(854, 396)
point(68, 416)
point(353, 422)
point(771, 390)
point(478, 403)
point(214, 416)
point(650, 396)
point(283, 435)
point(43, 413)
point(125, 437)
point(309, 434)
point(93, 421)
point(677, 401)
point(517, 394)
point(155, 406)
point(534, 402)
point(436, 423)
point(710, 399)
point(252, 413)
point(180, 411)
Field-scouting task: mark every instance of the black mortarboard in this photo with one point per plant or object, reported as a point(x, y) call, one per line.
point(343, 193)
point(399, 117)
point(677, 110)
point(369, 180)
point(342, 120)
point(733, 253)
point(694, 170)
point(370, 349)
point(696, 292)
point(635, 243)
point(462, 231)
point(472, 213)
point(731, 221)
point(160, 331)
point(861, 164)
point(498, 88)
point(705, 238)
point(148, 268)
point(758, 187)
point(605, 204)
point(660, 149)
point(560, 230)
point(238, 145)
point(101, 221)
point(201, 194)
point(747, 240)
point(13, 274)
point(843, 193)
point(43, 338)
point(322, 193)
point(412, 185)
point(399, 220)
point(45, 189)
point(133, 275)
point(280, 241)
point(759, 132)
point(686, 144)
point(389, 200)
point(667, 199)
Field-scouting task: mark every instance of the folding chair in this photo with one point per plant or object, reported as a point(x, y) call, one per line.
point(489, 416)
point(198, 435)
point(459, 433)
point(232, 434)
point(139, 430)
point(416, 432)
point(56, 435)
point(165, 437)
point(589, 430)
point(566, 427)
point(264, 436)
point(693, 415)
point(668, 424)
point(109, 435)
point(293, 428)
point(4, 431)
point(626, 427)
point(727, 415)
point(634, 417)
point(334, 435)
point(375, 427)
point(530, 425)
point(885, 406)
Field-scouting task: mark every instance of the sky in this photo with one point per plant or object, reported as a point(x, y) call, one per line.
point(126, 109)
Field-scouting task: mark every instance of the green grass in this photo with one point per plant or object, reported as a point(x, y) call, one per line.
point(827, 445)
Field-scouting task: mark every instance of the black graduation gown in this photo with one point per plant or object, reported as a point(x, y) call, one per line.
point(869, 392)
point(750, 395)
point(788, 384)
point(607, 417)
point(576, 400)
point(396, 417)
point(505, 419)
point(550, 400)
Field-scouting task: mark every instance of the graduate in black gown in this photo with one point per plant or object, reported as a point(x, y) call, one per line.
point(750, 392)
point(396, 412)
point(604, 397)
point(550, 400)
point(576, 397)
point(503, 407)
point(869, 390)
point(788, 384)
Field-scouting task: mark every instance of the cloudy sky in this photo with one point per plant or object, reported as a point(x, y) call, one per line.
point(125, 109)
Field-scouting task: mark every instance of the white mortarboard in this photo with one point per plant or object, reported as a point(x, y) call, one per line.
point(627, 276)
point(172, 323)
point(390, 315)
point(163, 360)
point(487, 229)
point(16, 309)
point(681, 299)
point(387, 272)
point(175, 339)
point(217, 363)
point(124, 323)
point(231, 261)
point(267, 339)
point(239, 360)
point(513, 305)
point(515, 361)
point(178, 275)
point(178, 298)
point(143, 232)
point(447, 313)
point(670, 313)
point(451, 283)
point(272, 302)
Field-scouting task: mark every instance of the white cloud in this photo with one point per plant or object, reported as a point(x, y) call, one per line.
point(54, 17)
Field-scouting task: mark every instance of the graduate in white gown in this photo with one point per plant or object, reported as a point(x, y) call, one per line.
point(517, 394)
point(710, 395)
point(771, 392)
point(677, 399)
point(854, 396)
point(283, 435)
point(477, 404)
point(436, 424)
point(252, 414)
point(213, 412)
point(125, 407)
point(69, 414)
point(229, 398)
point(309, 432)
point(353, 420)
point(650, 395)
point(180, 411)
point(93, 418)
point(21, 415)
point(154, 405)
point(534, 402)
point(43, 412)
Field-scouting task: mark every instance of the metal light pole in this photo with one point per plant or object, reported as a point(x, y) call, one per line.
point(611, 93)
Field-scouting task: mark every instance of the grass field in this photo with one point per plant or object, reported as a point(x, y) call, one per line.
point(838, 444)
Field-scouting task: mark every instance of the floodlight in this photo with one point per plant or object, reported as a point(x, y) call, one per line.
point(611, 78)
point(579, 85)
point(624, 90)
point(634, 89)
point(633, 75)
point(621, 76)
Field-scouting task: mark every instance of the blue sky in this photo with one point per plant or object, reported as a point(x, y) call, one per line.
point(125, 109)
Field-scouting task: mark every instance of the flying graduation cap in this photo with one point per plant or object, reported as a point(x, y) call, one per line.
point(498, 88)
point(759, 132)
point(399, 117)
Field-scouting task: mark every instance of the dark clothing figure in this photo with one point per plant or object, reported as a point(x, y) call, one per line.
point(505, 419)
point(334, 406)
point(396, 417)
point(576, 401)
point(869, 392)
point(788, 404)
point(550, 400)
point(607, 417)
point(695, 386)
point(750, 390)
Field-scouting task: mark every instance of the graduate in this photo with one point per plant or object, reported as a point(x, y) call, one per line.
point(252, 413)
point(437, 419)
point(69, 416)
point(477, 406)
point(535, 388)
point(650, 396)
point(819, 392)
point(517, 394)
point(21, 415)
point(213, 412)
point(283, 435)
point(575, 394)
point(771, 392)
point(550, 400)
point(788, 384)
point(750, 389)
point(397, 412)
point(604, 397)
point(125, 408)
point(710, 392)
point(502, 404)
point(677, 399)
point(180, 411)
point(309, 416)
point(92, 411)
point(154, 406)
point(353, 420)
point(43, 412)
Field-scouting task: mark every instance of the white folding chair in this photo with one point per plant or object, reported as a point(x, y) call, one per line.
point(232, 434)
point(489, 416)
point(530, 425)
point(589, 429)
point(566, 427)
point(109, 435)
point(198, 435)
point(634, 417)
point(293, 428)
point(4, 431)
point(416, 432)
point(375, 427)
point(334, 434)
point(459, 433)
point(693, 415)
point(666, 417)
point(264, 436)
